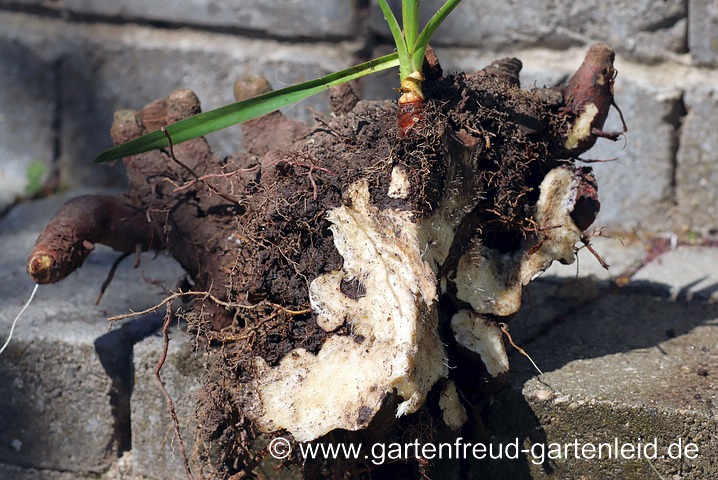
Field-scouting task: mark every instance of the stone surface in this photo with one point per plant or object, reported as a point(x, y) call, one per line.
point(646, 29)
point(19, 473)
point(295, 18)
point(33, 3)
point(111, 68)
point(120, 470)
point(635, 363)
point(103, 68)
point(620, 253)
point(155, 451)
point(697, 169)
point(629, 367)
point(624, 363)
point(565, 289)
point(47, 421)
point(703, 31)
point(682, 273)
point(27, 116)
point(67, 373)
point(637, 190)
point(617, 365)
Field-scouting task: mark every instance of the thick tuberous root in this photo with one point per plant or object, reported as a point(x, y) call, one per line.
point(82, 222)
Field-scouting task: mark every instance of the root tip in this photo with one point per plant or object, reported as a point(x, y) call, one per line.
point(40, 267)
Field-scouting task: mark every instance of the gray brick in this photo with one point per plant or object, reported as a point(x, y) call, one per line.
point(275, 17)
point(112, 68)
point(154, 447)
point(646, 29)
point(27, 112)
point(32, 3)
point(703, 31)
point(105, 68)
point(697, 169)
point(637, 190)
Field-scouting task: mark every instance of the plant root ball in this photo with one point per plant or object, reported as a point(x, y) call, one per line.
point(355, 279)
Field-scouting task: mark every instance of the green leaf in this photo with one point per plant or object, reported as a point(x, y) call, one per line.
point(223, 117)
point(410, 20)
point(419, 48)
point(401, 47)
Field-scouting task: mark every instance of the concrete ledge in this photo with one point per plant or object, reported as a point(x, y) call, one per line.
point(636, 364)
point(629, 367)
point(67, 373)
point(155, 452)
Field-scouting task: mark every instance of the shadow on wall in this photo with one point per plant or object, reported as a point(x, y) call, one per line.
point(114, 350)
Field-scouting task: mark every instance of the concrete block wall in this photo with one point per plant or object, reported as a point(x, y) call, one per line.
point(68, 65)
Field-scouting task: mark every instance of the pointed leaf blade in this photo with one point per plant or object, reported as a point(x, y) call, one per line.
point(235, 113)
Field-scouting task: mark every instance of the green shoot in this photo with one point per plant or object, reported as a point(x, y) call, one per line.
point(223, 117)
point(419, 49)
point(411, 45)
point(410, 21)
point(401, 48)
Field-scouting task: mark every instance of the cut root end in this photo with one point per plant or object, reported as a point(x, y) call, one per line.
point(42, 268)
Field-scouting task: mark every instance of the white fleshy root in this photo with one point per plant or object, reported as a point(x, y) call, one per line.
point(453, 412)
point(482, 336)
point(392, 344)
point(492, 282)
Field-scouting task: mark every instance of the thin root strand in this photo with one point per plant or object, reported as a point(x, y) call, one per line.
point(192, 172)
point(505, 329)
point(168, 399)
point(585, 240)
point(211, 297)
point(110, 276)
